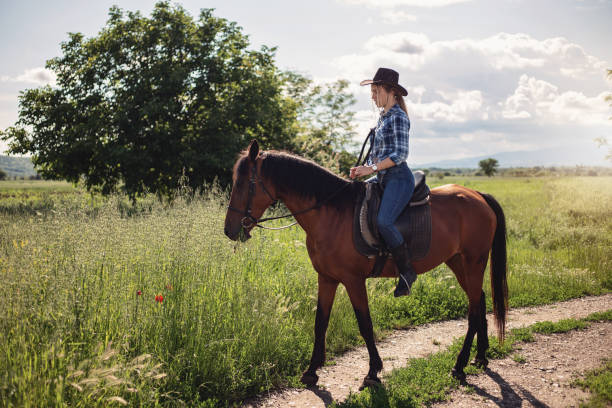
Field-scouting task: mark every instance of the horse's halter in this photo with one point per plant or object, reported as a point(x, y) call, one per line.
point(248, 220)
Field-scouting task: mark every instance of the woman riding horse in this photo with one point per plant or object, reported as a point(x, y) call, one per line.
point(466, 226)
point(388, 160)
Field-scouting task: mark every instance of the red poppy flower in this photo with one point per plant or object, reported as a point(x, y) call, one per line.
point(139, 293)
point(159, 298)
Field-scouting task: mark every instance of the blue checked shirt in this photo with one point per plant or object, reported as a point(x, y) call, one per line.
point(391, 137)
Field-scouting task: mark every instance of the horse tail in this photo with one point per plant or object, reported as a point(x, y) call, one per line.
point(499, 284)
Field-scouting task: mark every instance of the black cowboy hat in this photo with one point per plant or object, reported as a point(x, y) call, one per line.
point(386, 76)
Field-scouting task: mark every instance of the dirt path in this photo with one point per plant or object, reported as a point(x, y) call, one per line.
point(335, 382)
point(552, 362)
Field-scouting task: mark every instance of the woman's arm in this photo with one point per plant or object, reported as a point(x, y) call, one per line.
point(367, 170)
point(400, 126)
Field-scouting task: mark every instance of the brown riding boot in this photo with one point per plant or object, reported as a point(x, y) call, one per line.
point(407, 275)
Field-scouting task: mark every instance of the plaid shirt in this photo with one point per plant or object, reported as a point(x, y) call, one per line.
point(391, 137)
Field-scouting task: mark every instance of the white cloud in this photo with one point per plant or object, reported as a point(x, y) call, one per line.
point(527, 99)
point(396, 17)
point(523, 51)
point(416, 92)
point(454, 108)
point(458, 107)
point(415, 52)
point(480, 74)
point(478, 96)
point(40, 76)
point(395, 3)
point(541, 100)
point(401, 43)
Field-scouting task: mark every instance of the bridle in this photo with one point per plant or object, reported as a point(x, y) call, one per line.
point(249, 221)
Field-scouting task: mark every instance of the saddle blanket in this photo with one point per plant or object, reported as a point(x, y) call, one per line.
point(414, 223)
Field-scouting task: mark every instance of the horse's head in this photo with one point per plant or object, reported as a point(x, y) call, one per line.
point(250, 197)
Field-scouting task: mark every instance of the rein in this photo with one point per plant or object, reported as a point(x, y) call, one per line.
point(369, 137)
point(249, 221)
point(317, 205)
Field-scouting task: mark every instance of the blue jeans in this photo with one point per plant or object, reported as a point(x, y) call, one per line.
point(398, 186)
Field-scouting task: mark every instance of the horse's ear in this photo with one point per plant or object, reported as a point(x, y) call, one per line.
point(253, 150)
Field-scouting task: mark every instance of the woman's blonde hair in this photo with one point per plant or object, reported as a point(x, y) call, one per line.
point(398, 97)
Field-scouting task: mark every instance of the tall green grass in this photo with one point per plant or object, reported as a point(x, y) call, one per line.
point(79, 277)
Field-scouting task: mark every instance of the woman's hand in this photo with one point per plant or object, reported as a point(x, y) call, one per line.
point(360, 171)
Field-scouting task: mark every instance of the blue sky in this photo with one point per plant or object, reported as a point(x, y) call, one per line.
point(483, 76)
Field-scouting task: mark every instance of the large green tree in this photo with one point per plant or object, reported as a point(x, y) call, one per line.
point(149, 98)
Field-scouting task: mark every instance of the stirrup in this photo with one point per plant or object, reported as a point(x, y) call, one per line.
point(403, 288)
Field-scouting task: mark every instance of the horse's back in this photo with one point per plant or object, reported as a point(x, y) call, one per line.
point(462, 213)
point(461, 197)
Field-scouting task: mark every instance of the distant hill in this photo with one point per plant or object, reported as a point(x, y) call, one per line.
point(585, 156)
point(17, 166)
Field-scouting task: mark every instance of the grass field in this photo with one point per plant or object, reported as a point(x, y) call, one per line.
point(81, 279)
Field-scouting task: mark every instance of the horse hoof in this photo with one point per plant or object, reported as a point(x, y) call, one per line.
point(481, 363)
point(458, 375)
point(309, 379)
point(369, 382)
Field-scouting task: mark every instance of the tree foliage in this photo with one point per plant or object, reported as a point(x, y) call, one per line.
point(2, 174)
point(326, 132)
point(603, 140)
point(488, 166)
point(151, 97)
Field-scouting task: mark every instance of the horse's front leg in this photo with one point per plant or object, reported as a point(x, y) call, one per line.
point(327, 292)
point(359, 298)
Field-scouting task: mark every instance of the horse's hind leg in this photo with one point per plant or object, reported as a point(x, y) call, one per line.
point(483, 336)
point(464, 354)
point(470, 276)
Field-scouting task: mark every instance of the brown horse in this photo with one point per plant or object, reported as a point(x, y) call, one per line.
point(466, 226)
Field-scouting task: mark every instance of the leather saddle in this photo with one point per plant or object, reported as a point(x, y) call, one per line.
point(414, 223)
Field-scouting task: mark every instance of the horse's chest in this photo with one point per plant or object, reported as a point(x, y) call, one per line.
point(333, 259)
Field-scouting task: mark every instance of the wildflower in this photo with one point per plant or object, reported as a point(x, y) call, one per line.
point(139, 292)
point(159, 298)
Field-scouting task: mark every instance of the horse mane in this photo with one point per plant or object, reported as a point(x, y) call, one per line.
point(296, 175)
